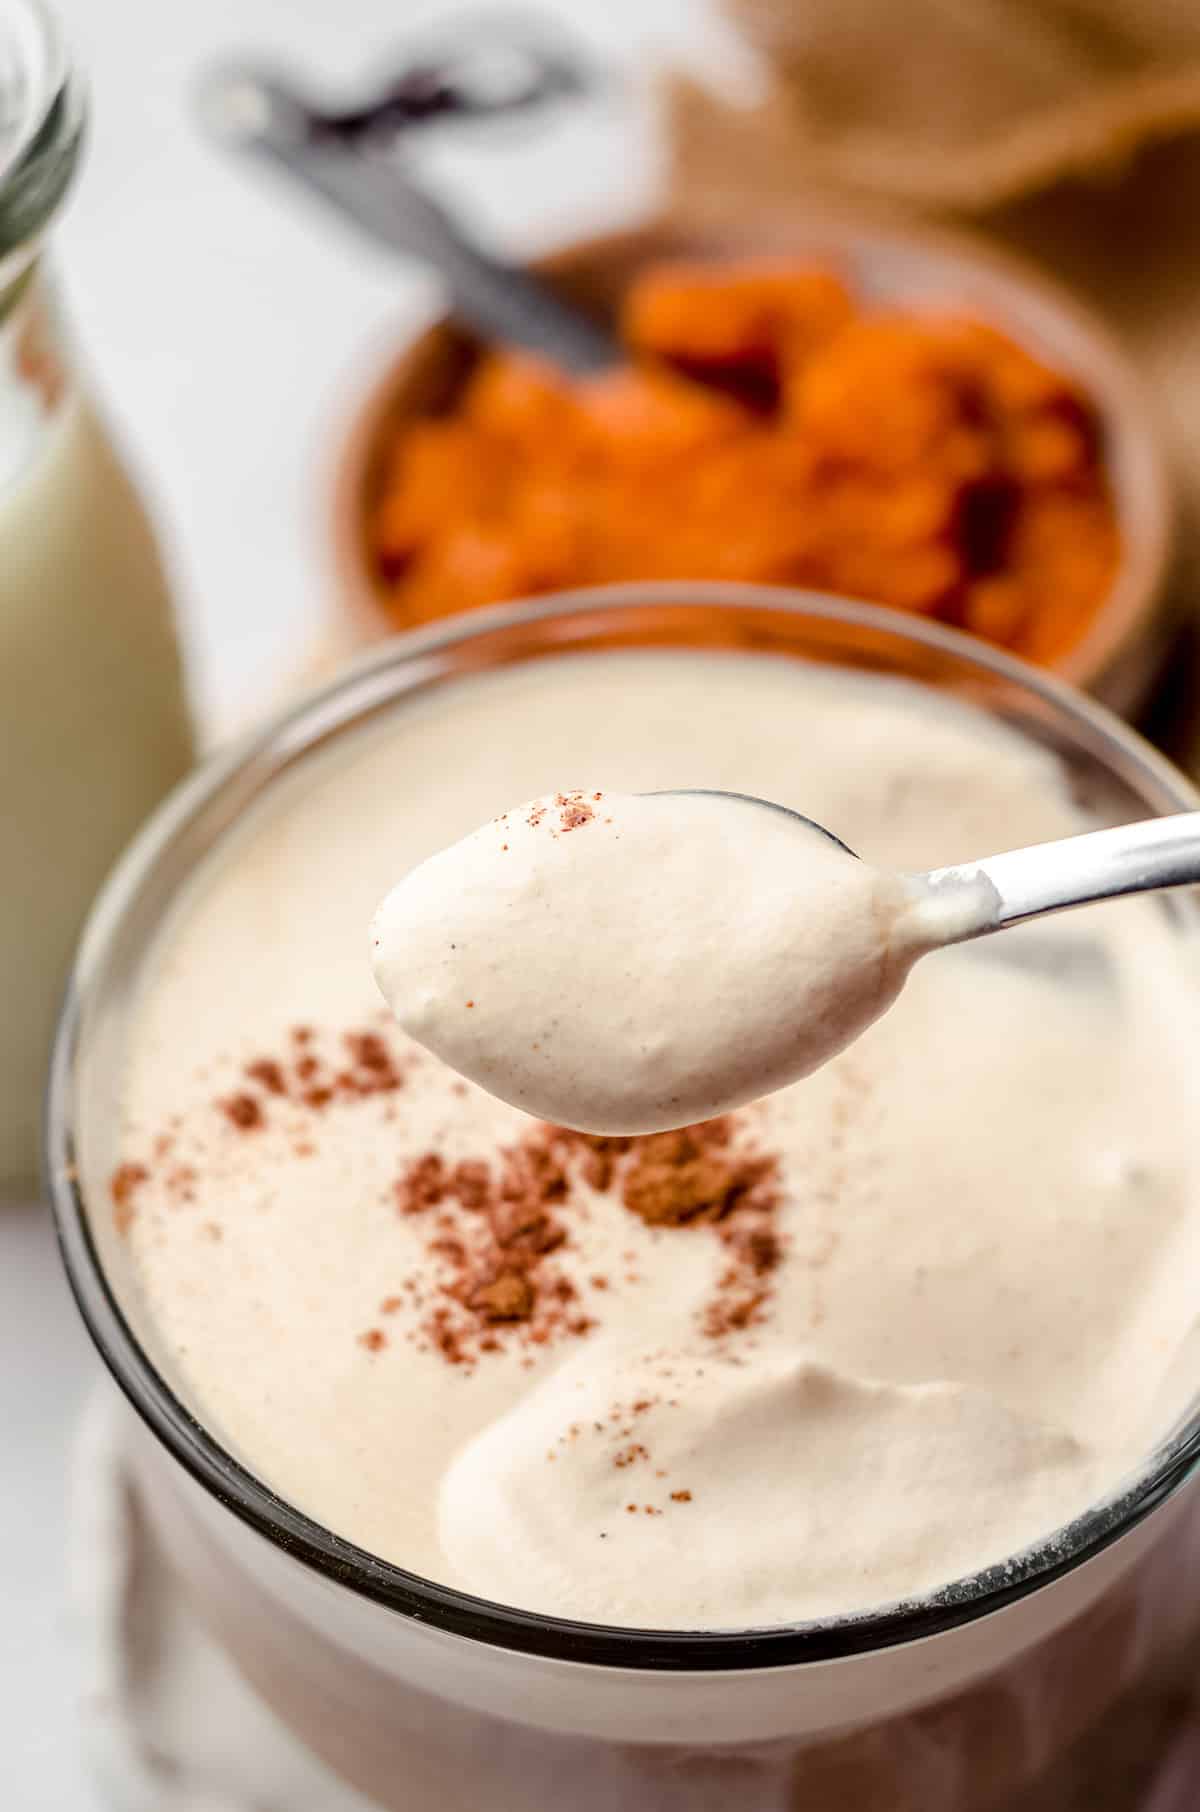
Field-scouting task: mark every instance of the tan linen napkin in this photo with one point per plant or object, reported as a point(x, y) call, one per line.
point(1125, 236)
point(969, 102)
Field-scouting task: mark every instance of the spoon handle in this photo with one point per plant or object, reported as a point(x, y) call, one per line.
point(1049, 877)
point(260, 114)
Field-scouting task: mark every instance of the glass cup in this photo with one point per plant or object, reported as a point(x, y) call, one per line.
point(972, 1698)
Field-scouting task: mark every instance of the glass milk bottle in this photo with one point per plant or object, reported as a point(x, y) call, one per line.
point(93, 722)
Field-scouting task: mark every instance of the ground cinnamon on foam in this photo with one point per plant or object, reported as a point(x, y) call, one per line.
point(571, 810)
point(299, 1079)
point(495, 1226)
point(127, 1179)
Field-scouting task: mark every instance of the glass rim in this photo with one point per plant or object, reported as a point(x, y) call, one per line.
point(39, 159)
point(371, 682)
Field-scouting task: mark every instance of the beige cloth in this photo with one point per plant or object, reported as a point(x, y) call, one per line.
point(969, 102)
point(948, 97)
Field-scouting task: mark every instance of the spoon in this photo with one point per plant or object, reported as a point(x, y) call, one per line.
point(257, 112)
point(632, 963)
point(976, 898)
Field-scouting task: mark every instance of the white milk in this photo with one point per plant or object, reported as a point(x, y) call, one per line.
point(94, 724)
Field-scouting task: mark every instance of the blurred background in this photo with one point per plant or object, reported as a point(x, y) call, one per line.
point(933, 272)
point(213, 300)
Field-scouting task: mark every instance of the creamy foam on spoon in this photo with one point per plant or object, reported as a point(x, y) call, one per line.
point(629, 963)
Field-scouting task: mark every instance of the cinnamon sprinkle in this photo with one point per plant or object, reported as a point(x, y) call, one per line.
point(509, 1296)
point(127, 1179)
point(497, 1230)
point(573, 810)
point(268, 1073)
point(373, 1070)
point(303, 1077)
point(471, 1182)
point(243, 1111)
point(724, 1316)
point(181, 1183)
point(422, 1185)
point(494, 1228)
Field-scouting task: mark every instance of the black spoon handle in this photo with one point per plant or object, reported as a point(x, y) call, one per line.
point(260, 114)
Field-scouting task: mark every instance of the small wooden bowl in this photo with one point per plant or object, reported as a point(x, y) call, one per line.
point(910, 266)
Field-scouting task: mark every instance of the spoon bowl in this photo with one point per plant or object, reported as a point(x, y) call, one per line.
point(772, 805)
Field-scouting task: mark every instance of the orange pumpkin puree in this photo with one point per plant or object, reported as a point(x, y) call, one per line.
point(767, 427)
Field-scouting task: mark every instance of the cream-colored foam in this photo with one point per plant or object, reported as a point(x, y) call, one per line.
point(989, 1207)
point(790, 1468)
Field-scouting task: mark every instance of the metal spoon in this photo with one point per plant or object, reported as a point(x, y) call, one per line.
point(1021, 884)
point(973, 899)
point(257, 112)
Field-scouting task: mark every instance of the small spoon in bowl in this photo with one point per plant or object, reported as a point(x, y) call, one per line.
point(631, 963)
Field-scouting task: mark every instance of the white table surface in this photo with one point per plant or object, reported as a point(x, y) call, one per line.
point(228, 330)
